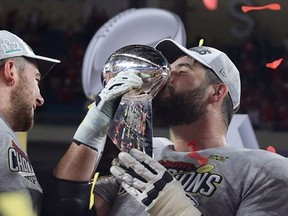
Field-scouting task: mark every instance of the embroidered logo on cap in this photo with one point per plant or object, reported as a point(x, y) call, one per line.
point(201, 50)
point(10, 47)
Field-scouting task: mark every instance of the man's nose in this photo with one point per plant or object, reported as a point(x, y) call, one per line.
point(172, 76)
point(40, 101)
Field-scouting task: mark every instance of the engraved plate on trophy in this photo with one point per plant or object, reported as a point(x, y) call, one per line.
point(132, 124)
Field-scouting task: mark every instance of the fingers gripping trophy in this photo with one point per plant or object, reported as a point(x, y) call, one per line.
point(132, 124)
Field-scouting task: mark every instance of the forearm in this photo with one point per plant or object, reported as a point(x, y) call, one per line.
point(78, 163)
point(69, 189)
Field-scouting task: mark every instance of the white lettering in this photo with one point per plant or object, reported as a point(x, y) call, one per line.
point(195, 184)
point(210, 183)
point(12, 160)
point(18, 163)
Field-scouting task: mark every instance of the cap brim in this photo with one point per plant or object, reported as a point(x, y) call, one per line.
point(46, 59)
point(45, 64)
point(169, 49)
point(172, 51)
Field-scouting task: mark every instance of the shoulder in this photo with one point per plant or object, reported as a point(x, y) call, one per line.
point(6, 132)
point(7, 139)
point(246, 158)
point(257, 154)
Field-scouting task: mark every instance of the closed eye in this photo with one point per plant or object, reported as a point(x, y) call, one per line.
point(183, 72)
point(184, 65)
point(38, 78)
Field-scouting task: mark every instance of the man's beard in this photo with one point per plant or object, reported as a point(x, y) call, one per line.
point(178, 108)
point(21, 111)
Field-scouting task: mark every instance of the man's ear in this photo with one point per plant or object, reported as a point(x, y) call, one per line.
point(219, 93)
point(9, 74)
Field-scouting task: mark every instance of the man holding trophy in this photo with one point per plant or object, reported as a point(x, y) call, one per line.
point(197, 173)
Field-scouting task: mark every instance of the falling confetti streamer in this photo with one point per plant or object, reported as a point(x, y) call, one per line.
point(271, 149)
point(194, 154)
point(273, 6)
point(210, 4)
point(201, 160)
point(274, 64)
point(193, 145)
point(201, 42)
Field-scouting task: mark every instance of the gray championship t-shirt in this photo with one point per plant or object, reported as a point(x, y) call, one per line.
point(16, 171)
point(232, 182)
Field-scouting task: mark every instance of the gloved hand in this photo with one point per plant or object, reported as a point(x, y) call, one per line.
point(93, 129)
point(152, 185)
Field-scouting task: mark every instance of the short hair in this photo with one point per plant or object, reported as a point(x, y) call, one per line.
point(227, 105)
point(19, 61)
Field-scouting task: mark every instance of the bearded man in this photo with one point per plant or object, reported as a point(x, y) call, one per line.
point(198, 103)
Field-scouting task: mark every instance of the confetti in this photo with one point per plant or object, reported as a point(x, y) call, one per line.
point(274, 6)
point(92, 190)
point(271, 149)
point(210, 4)
point(192, 145)
point(201, 160)
point(201, 42)
point(274, 64)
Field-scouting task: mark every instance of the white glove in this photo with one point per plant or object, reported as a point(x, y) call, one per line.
point(93, 129)
point(152, 185)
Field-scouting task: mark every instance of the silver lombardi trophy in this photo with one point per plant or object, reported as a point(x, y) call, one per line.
point(132, 124)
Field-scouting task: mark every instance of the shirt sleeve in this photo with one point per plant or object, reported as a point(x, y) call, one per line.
point(267, 194)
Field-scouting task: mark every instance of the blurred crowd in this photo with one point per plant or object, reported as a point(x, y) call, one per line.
point(264, 90)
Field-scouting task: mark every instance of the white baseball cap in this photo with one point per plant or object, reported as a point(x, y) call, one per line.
point(212, 58)
point(13, 46)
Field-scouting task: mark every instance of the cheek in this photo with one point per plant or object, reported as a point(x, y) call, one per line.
point(32, 90)
point(186, 84)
